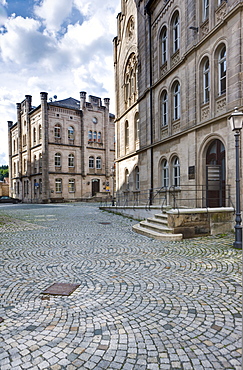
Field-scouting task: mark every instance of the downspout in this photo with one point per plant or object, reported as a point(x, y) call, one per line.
point(151, 107)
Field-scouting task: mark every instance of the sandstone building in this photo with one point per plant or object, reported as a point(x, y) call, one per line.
point(61, 150)
point(178, 77)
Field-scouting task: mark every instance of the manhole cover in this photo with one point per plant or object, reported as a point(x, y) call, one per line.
point(61, 289)
point(105, 223)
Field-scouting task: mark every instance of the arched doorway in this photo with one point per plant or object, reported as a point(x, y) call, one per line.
point(95, 186)
point(215, 174)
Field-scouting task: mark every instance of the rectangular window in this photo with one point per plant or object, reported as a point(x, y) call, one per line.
point(71, 186)
point(58, 185)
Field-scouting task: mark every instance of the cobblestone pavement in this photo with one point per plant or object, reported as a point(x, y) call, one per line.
point(141, 304)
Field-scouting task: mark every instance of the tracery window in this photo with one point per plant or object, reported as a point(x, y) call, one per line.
point(130, 80)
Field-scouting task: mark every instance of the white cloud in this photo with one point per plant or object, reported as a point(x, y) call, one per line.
point(54, 12)
point(56, 53)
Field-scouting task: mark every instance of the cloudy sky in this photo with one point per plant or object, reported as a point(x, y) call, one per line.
point(58, 46)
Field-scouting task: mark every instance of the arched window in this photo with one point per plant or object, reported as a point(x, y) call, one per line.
point(126, 179)
point(71, 185)
point(98, 163)
point(164, 45)
point(90, 137)
point(57, 131)
point(222, 71)
point(164, 109)
point(176, 32)
point(71, 160)
point(130, 80)
point(99, 137)
point(165, 174)
point(57, 160)
point(126, 136)
point(95, 136)
point(176, 172)
point(137, 184)
point(58, 185)
point(136, 126)
point(206, 81)
point(70, 133)
point(176, 101)
point(205, 9)
point(91, 162)
point(40, 132)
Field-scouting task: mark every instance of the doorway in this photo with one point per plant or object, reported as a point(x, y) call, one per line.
point(95, 186)
point(215, 174)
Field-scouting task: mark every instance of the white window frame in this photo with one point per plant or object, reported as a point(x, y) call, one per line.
point(164, 109)
point(164, 39)
point(165, 173)
point(206, 81)
point(98, 163)
point(58, 185)
point(91, 162)
point(71, 160)
point(71, 185)
point(176, 33)
point(176, 101)
point(58, 160)
point(222, 72)
point(176, 172)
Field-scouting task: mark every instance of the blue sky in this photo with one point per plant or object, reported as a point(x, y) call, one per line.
point(58, 46)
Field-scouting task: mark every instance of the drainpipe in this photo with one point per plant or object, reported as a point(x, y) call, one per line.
point(151, 105)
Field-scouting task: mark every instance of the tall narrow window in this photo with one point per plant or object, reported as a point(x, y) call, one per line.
point(176, 101)
point(205, 9)
point(57, 131)
point(58, 185)
point(34, 135)
point(206, 81)
point(126, 180)
point(164, 45)
point(57, 160)
point(99, 137)
point(70, 133)
point(71, 160)
point(164, 109)
point(98, 163)
point(176, 172)
point(165, 174)
point(222, 71)
point(137, 180)
point(136, 126)
point(71, 185)
point(40, 132)
point(90, 137)
point(40, 161)
point(176, 33)
point(35, 164)
point(95, 136)
point(91, 162)
point(126, 136)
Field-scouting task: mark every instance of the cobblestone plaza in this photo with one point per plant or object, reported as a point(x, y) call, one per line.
point(141, 303)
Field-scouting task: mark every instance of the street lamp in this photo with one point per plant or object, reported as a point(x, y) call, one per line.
point(236, 121)
point(113, 184)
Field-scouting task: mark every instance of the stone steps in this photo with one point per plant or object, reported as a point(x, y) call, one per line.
point(156, 227)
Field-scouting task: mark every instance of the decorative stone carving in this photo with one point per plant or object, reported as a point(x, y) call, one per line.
point(221, 105)
point(221, 11)
point(164, 132)
point(205, 112)
point(163, 69)
point(176, 127)
point(205, 28)
point(175, 58)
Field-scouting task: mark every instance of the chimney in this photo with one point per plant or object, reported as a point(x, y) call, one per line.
point(82, 99)
point(107, 103)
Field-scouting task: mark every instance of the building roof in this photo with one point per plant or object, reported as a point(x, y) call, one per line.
point(67, 103)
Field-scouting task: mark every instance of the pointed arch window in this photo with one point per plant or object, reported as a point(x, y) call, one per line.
point(137, 179)
point(136, 126)
point(126, 136)
point(130, 81)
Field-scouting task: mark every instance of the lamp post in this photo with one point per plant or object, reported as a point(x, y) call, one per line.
point(113, 185)
point(236, 121)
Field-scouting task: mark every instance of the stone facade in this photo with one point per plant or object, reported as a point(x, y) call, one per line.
point(62, 150)
point(172, 127)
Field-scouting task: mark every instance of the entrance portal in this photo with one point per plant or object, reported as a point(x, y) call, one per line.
point(95, 186)
point(215, 174)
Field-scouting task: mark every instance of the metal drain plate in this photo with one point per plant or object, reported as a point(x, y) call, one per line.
point(64, 289)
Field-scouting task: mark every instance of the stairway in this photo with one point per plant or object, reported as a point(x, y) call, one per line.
point(157, 227)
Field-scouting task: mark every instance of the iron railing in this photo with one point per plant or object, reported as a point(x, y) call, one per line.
point(184, 196)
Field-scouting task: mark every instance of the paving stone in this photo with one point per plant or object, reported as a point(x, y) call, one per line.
point(141, 304)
